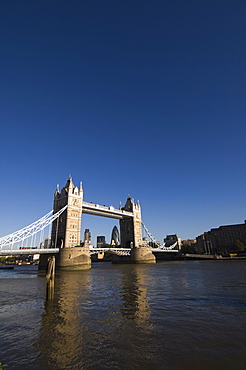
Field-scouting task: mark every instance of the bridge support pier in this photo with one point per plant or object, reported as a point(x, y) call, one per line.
point(74, 258)
point(137, 255)
point(142, 255)
point(70, 258)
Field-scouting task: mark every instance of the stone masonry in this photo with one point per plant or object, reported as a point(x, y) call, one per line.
point(131, 227)
point(69, 223)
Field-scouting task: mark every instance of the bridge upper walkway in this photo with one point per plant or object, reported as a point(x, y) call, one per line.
point(99, 210)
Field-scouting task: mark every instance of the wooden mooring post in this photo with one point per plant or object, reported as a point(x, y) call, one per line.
point(50, 278)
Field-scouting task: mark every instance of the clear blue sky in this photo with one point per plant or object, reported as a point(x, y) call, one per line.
point(145, 98)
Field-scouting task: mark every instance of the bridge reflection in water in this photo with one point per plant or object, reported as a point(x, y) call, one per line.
point(94, 311)
point(171, 315)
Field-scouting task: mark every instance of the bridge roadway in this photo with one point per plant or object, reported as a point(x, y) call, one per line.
point(120, 251)
point(98, 210)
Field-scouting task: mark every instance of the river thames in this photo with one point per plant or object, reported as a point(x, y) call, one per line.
point(169, 315)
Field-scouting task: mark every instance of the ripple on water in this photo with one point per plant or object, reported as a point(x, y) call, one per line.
point(169, 316)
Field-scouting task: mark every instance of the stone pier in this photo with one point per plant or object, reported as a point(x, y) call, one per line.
point(142, 255)
point(74, 258)
point(138, 255)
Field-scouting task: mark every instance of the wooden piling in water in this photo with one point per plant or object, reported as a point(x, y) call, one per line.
point(50, 278)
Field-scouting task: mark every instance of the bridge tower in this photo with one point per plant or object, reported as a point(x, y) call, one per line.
point(131, 234)
point(131, 227)
point(66, 231)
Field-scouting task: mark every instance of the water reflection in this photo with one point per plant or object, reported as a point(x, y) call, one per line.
point(164, 316)
point(134, 294)
point(61, 336)
point(94, 318)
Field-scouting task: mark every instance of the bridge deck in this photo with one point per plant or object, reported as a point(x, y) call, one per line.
point(99, 210)
point(8, 252)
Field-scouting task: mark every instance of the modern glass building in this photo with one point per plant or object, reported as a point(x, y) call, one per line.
point(115, 238)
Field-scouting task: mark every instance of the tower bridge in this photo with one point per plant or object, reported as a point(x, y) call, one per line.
point(65, 219)
point(66, 233)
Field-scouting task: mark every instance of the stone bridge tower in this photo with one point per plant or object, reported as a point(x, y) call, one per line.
point(131, 227)
point(66, 231)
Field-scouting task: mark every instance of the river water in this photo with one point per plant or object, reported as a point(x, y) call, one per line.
point(169, 315)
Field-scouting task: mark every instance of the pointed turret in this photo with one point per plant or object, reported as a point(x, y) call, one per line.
point(69, 183)
point(129, 204)
point(69, 187)
point(57, 190)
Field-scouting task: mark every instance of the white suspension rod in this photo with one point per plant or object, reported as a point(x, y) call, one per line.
point(32, 229)
point(153, 239)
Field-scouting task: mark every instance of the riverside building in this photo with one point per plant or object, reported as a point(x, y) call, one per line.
point(222, 239)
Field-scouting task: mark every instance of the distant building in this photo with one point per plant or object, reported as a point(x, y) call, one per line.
point(222, 239)
point(87, 237)
point(47, 243)
point(145, 241)
point(172, 239)
point(100, 241)
point(189, 242)
point(115, 237)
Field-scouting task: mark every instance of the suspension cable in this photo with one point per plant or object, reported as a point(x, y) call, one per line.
point(32, 229)
point(153, 239)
